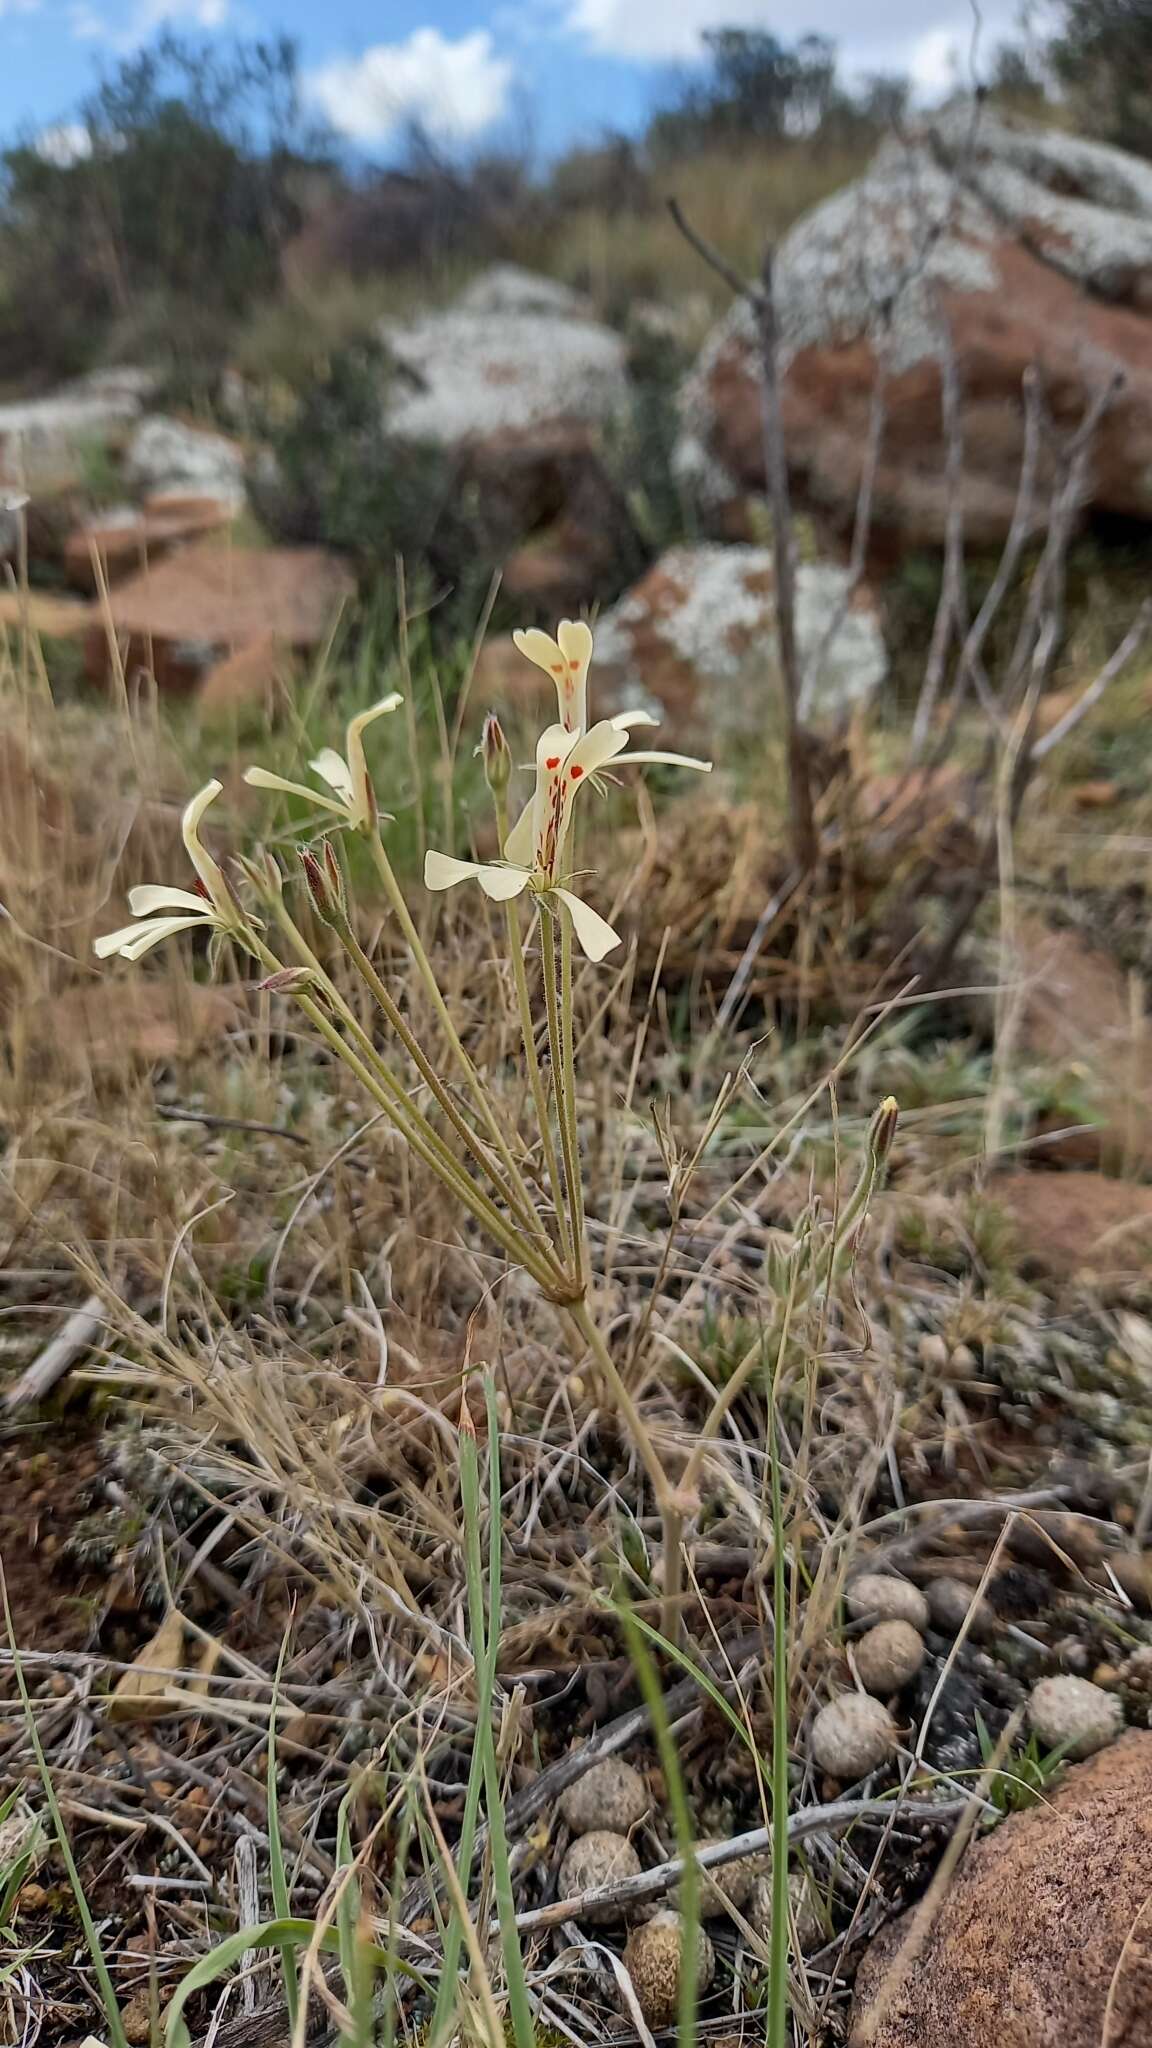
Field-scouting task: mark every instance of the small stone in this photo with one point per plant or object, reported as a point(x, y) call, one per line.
point(1074, 1715)
point(963, 1362)
point(652, 1960)
point(136, 2020)
point(600, 1857)
point(875, 1597)
point(806, 1919)
point(852, 1736)
point(730, 1885)
point(888, 1657)
point(949, 1601)
point(933, 1353)
point(611, 1795)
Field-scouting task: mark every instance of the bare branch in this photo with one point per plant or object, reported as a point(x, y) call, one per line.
point(946, 622)
point(861, 533)
point(1133, 639)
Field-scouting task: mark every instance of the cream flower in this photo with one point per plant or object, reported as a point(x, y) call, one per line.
point(346, 774)
point(535, 848)
point(162, 912)
point(566, 659)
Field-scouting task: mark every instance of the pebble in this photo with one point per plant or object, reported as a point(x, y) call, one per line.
point(949, 1601)
point(1074, 1715)
point(888, 1657)
point(597, 1858)
point(611, 1795)
point(806, 1920)
point(730, 1885)
point(852, 1736)
point(875, 1597)
point(652, 1960)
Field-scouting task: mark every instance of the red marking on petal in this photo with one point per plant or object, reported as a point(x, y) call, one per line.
point(557, 668)
point(553, 761)
point(574, 666)
point(577, 772)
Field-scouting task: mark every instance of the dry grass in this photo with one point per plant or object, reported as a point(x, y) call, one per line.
point(295, 1310)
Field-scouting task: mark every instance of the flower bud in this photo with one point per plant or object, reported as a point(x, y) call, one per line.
point(497, 756)
point(882, 1129)
point(289, 981)
point(335, 874)
point(326, 901)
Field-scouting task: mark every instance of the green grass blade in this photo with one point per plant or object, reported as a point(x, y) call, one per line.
point(281, 1891)
point(293, 1934)
point(103, 1976)
point(778, 1939)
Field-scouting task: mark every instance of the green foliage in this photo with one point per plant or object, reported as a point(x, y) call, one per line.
point(759, 87)
point(1024, 1776)
point(167, 220)
point(1102, 57)
point(336, 477)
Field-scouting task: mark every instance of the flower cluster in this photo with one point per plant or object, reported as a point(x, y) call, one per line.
point(535, 856)
point(569, 755)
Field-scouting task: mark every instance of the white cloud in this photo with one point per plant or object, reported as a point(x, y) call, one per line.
point(453, 89)
point(925, 40)
point(88, 24)
point(69, 142)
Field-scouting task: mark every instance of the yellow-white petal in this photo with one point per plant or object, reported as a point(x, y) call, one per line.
point(150, 897)
point(595, 934)
point(518, 845)
point(624, 720)
point(198, 853)
point(334, 770)
point(502, 883)
point(132, 941)
point(365, 718)
point(442, 872)
point(263, 778)
point(540, 648)
point(669, 760)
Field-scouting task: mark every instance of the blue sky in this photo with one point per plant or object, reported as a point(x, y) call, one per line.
point(547, 71)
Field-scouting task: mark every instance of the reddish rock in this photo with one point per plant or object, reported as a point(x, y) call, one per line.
point(244, 680)
point(181, 617)
point(127, 546)
point(1029, 248)
point(1074, 1222)
point(696, 640)
point(1044, 1935)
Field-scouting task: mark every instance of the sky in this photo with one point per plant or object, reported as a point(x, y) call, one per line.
point(546, 73)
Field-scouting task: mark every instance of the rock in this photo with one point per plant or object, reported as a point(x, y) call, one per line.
point(128, 541)
point(876, 1597)
point(730, 1885)
point(652, 1959)
point(183, 615)
point(695, 640)
point(806, 1918)
point(1042, 1937)
point(44, 442)
point(611, 1795)
point(246, 680)
point(949, 1603)
point(519, 383)
point(1031, 246)
point(166, 455)
point(888, 1657)
point(56, 618)
point(1077, 1013)
point(493, 364)
point(1068, 1223)
point(599, 1857)
point(1074, 1715)
point(852, 1736)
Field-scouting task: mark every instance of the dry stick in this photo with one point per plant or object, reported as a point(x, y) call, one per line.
point(81, 1331)
point(812, 1820)
point(761, 298)
point(946, 618)
point(1132, 641)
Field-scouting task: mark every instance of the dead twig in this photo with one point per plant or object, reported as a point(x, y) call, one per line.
point(81, 1331)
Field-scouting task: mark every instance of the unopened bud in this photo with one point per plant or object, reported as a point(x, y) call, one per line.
point(327, 904)
point(882, 1129)
point(335, 874)
point(497, 755)
point(289, 981)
